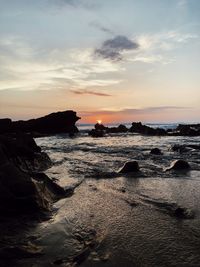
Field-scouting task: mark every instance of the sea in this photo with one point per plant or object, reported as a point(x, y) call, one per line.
point(115, 219)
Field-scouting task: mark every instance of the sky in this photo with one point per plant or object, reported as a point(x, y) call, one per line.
point(109, 60)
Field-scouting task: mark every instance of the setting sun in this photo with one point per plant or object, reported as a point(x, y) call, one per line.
point(99, 121)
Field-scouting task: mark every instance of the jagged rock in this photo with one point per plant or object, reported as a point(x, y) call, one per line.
point(23, 189)
point(99, 127)
point(131, 166)
point(156, 151)
point(188, 130)
point(54, 123)
point(138, 127)
point(179, 165)
point(120, 129)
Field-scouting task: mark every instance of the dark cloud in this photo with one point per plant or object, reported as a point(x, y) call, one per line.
point(112, 48)
point(88, 92)
point(100, 27)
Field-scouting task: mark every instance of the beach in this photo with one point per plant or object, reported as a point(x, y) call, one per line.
point(115, 219)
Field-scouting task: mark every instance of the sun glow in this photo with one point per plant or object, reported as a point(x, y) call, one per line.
point(99, 121)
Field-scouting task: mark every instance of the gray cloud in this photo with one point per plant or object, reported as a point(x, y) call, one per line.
point(88, 92)
point(98, 26)
point(112, 48)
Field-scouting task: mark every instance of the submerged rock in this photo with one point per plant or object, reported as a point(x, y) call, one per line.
point(131, 166)
point(156, 151)
point(179, 165)
point(96, 133)
point(184, 213)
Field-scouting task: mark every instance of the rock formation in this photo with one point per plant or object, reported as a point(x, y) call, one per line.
point(131, 166)
point(138, 127)
point(188, 130)
point(179, 165)
point(155, 151)
point(54, 123)
point(23, 186)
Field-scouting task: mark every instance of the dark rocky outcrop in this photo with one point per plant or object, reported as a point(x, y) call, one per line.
point(120, 129)
point(179, 165)
point(131, 166)
point(100, 127)
point(23, 186)
point(96, 133)
point(138, 127)
point(100, 130)
point(155, 151)
point(188, 130)
point(54, 123)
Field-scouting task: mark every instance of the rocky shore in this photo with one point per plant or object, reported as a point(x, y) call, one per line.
point(79, 233)
point(137, 127)
point(26, 192)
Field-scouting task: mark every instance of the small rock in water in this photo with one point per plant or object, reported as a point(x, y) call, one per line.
point(156, 151)
point(179, 165)
point(131, 166)
point(183, 213)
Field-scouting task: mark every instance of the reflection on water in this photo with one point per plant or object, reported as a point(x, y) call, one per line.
point(122, 220)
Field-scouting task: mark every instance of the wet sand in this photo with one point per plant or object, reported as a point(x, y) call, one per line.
point(119, 220)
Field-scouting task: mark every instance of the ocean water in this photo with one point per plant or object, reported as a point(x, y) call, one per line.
point(131, 218)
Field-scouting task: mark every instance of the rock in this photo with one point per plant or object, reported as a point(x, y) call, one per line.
point(188, 130)
point(100, 130)
point(179, 165)
point(96, 133)
point(23, 188)
point(54, 123)
point(120, 129)
point(183, 213)
point(156, 151)
point(5, 125)
point(131, 166)
point(179, 148)
point(138, 127)
point(100, 127)
point(185, 148)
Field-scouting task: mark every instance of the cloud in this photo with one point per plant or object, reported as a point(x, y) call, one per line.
point(113, 49)
point(88, 4)
point(88, 92)
point(24, 66)
point(134, 111)
point(155, 48)
point(98, 26)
